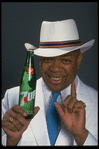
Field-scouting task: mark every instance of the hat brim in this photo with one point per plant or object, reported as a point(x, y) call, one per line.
point(53, 52)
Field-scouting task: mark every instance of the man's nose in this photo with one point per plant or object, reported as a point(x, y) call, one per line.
point(56, 66)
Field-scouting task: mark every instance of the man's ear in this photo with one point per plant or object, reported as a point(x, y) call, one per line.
point(79, 60)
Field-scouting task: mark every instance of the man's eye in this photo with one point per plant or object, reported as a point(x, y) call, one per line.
point(47, 60)
point(66, 61)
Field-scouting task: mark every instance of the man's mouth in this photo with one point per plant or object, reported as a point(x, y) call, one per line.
point(55, 80)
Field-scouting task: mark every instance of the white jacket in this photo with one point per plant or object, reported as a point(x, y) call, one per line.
point(37, 134)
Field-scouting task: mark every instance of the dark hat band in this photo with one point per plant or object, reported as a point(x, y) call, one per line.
point(59, 44)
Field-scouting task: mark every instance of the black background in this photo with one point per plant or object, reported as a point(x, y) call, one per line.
point(21, 22)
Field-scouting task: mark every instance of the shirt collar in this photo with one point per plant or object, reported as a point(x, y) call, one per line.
point(64, 93)
point(47, 92)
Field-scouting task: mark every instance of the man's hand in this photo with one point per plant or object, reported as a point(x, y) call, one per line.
point(15, 127)
point(72, 113)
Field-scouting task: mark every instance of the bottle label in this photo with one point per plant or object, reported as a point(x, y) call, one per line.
point(27, 97)
point(30, 70)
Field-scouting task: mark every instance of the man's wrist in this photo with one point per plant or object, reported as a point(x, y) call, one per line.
point(12, 141)
point(81, 137)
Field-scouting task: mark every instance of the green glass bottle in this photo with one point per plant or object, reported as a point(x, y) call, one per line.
point(28, 83)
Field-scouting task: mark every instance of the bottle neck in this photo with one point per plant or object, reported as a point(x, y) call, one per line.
point(30, 59)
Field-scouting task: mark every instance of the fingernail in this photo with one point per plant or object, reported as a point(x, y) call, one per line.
point(24, 113)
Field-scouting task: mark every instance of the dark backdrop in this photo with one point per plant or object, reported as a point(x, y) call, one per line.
point(21, 23)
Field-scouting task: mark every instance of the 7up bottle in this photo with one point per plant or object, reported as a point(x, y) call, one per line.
point(28, 83)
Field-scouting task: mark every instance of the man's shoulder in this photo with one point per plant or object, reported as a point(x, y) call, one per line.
point(14, 89)
point(89, 88)
point(88, 91)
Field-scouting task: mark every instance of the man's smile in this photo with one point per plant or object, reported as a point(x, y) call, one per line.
point(54, 79)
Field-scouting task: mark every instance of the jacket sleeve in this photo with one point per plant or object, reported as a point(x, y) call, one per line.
point(10, 98)
point(4, 109)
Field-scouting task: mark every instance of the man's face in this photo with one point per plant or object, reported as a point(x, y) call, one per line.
point(59, 72)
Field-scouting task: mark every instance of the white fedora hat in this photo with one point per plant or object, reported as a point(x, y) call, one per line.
point(60, 37)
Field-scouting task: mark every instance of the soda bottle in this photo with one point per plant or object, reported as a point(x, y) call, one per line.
point(28, 83)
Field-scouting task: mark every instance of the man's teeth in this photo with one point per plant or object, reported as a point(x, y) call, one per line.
point(56, 79)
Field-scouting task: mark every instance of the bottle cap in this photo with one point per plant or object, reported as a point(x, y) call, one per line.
point(29, 47)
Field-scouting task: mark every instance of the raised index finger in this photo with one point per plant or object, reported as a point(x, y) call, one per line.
point(73, 89)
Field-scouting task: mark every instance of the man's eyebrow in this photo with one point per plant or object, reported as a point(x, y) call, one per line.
point(68, 54)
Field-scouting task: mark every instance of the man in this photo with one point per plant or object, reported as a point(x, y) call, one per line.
point(60, 53)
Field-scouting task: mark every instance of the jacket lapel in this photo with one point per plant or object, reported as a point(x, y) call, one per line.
point(38, 123)
point(65, 137)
